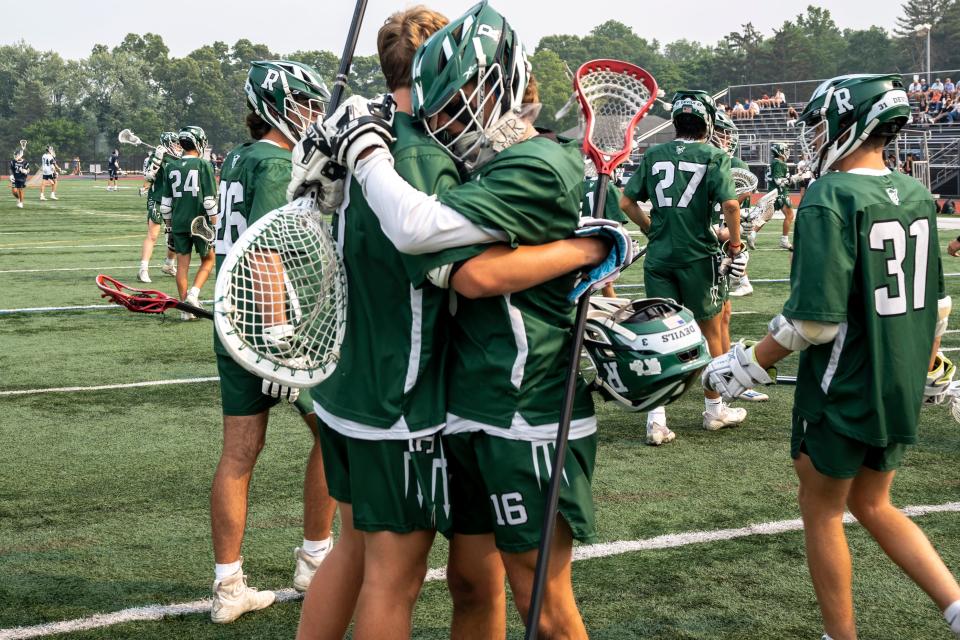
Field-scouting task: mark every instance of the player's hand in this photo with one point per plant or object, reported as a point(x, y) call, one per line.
point(311, 165)
point(142, 191)
point(619, 257)
point(734, 372)
point(357, 125)
point(738, 263)
point(954, 248)
point(282, 392)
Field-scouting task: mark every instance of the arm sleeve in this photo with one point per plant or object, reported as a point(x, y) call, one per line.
point(822, 270)
point(269, 188)
point(413, 221)
point(722, 188)
point(636, 188)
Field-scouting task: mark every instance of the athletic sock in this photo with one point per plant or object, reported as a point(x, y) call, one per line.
point(657, 414)
point(952, 616)
point(784, 239)
point(713, 406)
point(168, 262)
point(193, 291)
point(316, 547)
point(144, 264)
point(826, 637)
point(222, 571)
point(744, 281)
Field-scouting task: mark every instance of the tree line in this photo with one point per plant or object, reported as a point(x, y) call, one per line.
point(79, 106)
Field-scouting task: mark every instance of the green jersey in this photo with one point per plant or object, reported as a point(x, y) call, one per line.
point(777, 174)
point(390, 381)
point(611, 206)
point(156, 187)
point(866, 256)
point(253, 182)
point(509, 353)
point(683, 180)
point(187, 183)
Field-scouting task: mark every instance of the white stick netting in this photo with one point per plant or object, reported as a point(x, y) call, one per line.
point(762, 212)
point(744, 181)
point(287, 298)
point(614, 99)
point(200, 227)
point(128, 137)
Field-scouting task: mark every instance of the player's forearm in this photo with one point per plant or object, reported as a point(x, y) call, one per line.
point(500, 269)
point(731, 214)
point(633, 211)
point(768, 352)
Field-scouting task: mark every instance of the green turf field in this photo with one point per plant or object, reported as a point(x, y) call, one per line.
point(104, 493)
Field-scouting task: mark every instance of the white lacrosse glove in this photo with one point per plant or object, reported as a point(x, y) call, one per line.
point(278, 335)
point(939, 381)
point(736, 265)
point(734, 372)
point(312, 166)
point(620, 256)
point(142, 191)
point(277, 390)
point(357, 125)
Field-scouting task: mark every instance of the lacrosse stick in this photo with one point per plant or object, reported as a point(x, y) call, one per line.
point(744, 181)
point(144, 300)
point(200, 228)
point(23, 145)
point(762, 212)
point(613, 96)
point(280, 300)
point(129, 137)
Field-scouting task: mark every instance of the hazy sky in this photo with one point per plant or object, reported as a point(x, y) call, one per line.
point(72, 27)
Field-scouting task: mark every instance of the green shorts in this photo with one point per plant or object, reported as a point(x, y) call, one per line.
point(153, 211)
point(697, 286)
point(185, 244)
point(781, 202)
point(499, 486)
point(838, 456)
point(392, 485)
point(241, 392)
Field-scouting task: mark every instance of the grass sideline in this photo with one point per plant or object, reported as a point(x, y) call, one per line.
point(103, 494)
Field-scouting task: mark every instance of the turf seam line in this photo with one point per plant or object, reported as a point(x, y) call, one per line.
point(586, 552)
point(104, 387)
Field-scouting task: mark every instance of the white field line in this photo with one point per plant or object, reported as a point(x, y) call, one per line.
point(133, 266)
point(951, 349)
point(82, 307)
point(77, 246)
point(103, 387)
point(587, 552)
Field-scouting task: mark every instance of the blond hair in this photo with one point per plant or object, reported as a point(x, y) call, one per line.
point(400, 37)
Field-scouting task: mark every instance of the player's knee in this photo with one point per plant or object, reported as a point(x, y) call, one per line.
point(868, 509)
point(475, 590)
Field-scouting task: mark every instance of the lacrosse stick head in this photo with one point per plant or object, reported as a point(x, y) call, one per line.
point(614, 97)
point(128, 137)
point(23, 144)
point(139, 300)
point(744, 180)
point(281, 297)
point(200, 227)
point(762, 212)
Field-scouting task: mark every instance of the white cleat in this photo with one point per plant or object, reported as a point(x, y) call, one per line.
point(232, 598)
point(752, 240)
point(306, 567)
point(190, 299)
point(169, 269)
point(42, 197)
point(742, 290)
point(752, 395)
point(186, 316)
point(19, 205)
point(53, 196)
point(143, 276)
point(658, 434)
point(786, 245)
point(729, 417)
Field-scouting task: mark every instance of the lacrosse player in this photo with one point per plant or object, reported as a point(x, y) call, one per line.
point(778, 174)
point(684, 179)
point(113, 170)
point(283, 97)
point(50, 168)
point(611, 208)
point(866, 308)
point(18, 176)
point(189, 191)
point(509, 341)
point(169, 147)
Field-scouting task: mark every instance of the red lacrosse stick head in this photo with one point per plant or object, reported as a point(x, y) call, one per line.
point(139, 300)
point(614, 96)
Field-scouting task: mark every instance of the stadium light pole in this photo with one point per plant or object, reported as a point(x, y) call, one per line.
point(921, 29)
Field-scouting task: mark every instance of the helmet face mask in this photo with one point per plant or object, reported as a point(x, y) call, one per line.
point(170, 141)
point(726, 135)
point(469, 79)
point(646, 353)
point(288, 95)
point(845, 111)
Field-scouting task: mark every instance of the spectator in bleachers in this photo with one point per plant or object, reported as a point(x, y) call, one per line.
point(937, 85)
point(889, 161)
point(764, 101)
point(721, 107)
point(778, 98)
point(738, 110)
point(915, 89)
point(950, 112)
point(908, 165)
point(934, 106)
point(753, 109)
point(792, 113)
point(949, 88)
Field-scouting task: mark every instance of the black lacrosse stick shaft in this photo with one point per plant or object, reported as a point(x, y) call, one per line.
point(549, 526)
point(346, 60)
